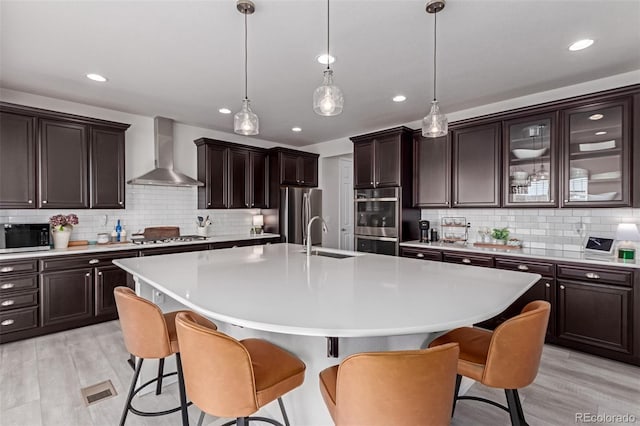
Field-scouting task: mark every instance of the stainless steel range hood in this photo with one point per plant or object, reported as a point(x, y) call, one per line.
point(164, 174)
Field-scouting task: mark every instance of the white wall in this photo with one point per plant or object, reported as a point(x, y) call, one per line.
point(329, 183)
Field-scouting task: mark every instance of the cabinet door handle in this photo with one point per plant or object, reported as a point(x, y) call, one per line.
point(30, 201)
point(566, 201)
point(455, 202)
point(120, 202)
point(7, 269)
point(7, 302)
point(301, 181)
point(553, 201)
point(523, 267)
point(467, 261)
point(420, 255)
point(371, 182)
point(7, 322)
point(547, 285)
point(7, 285)
point(88, 274)
point(561, 287)
point(99, 274)
point(592, 275)
point(93, 261)
point(44, 201)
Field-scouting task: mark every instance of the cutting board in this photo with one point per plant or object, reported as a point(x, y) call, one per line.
point(161, 231)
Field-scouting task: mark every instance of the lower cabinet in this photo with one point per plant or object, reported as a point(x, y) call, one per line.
point(107, 278)
point(67, 296)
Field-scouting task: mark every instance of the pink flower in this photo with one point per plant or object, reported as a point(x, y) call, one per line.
point(60, 221)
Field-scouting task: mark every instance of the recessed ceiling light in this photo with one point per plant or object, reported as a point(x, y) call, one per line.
point(224, 111)
point(96, 77)
point(600, 133)
point(581, 44)
point(595, 117)
point(296, 129)
point(324, 59)
point(399, 98)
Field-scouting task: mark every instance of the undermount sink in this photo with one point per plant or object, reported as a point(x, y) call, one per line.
point(334, 255)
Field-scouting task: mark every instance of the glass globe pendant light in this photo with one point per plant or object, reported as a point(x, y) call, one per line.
point(435, 124)
point(245, 121)
point(328, 99)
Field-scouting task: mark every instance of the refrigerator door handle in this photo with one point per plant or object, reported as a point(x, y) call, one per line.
point(305, 212)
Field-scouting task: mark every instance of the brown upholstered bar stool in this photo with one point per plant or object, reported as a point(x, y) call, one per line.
point(392, 388)
point(148, 333)
point(507, 358)
point(225, 377)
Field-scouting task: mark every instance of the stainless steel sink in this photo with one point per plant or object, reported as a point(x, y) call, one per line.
point(329, 254)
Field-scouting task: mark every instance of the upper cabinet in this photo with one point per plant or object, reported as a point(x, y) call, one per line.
point(476, 166)
point(17, 161)
point(294, 168)
point(597, 154)
point(432, 166)
point(235, 176)
point(530, 161)
point(55, 160)
point(382, 159)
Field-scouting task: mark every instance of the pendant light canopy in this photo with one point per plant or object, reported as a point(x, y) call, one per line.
point(435, 124)
point(245, 121)
point(328, 99)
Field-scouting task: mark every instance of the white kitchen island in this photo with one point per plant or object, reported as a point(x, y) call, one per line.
point(370, 302)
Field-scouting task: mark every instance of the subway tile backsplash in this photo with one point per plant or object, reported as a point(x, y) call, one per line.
point(559, 229)
point(146, 206)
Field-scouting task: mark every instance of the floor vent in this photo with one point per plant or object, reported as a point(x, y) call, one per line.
point(98, 392)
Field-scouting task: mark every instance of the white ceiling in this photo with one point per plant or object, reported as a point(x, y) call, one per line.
point(183, 59)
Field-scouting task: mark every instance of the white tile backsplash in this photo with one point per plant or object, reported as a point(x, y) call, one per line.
point(146, 206)
point(542, 228)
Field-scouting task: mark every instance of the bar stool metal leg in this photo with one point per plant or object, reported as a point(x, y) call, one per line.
point(160, 373)
point(284, 413)
point(132, 389)
point(183, 392)
point(455, 394)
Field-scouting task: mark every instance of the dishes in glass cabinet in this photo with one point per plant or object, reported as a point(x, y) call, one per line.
point(605, 196)
point(577, 172)
point(606, 176)
point(519, 175)
point(524, 154)
point(597, 146)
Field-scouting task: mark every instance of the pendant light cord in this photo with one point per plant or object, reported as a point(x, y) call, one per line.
point(435, 23)
point(246, 97)
point(328, 55)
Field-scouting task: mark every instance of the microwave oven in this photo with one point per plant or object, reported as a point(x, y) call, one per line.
point(17, 237)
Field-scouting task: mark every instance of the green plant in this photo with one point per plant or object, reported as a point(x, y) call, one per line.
point(500, 233)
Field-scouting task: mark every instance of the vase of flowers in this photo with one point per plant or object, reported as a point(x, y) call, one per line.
point(61, 227)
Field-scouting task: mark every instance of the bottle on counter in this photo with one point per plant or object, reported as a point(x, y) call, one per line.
point(118, 230)
point(123, 234)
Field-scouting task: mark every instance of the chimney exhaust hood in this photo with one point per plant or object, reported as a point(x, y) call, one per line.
point(164, 174)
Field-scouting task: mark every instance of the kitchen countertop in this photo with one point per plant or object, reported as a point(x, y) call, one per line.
point(276, 288)
point(107, 248)
point(556, 255)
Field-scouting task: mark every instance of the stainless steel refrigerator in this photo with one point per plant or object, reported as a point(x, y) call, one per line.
point(297, 207)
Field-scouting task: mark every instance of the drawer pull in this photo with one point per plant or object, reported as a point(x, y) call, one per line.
point(592, 275)
point(7, 322)
point(547, 285)
point(99, 274)
point(7, 269)
point(523, 267)
point(7, 303)
point(420, 255)
point(93, 261)
point(467, 261)
point(561, 287)
point(7, 285)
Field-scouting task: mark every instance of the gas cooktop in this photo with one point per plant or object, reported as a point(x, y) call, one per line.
point(161, 240)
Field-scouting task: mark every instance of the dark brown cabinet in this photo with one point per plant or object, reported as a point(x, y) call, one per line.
point(432, 171)
point(107, 278)
point(476, 166)
point(107, 168)
point(63, 153)
point(67, 296)
point(235, 176)
point(382, 159)
point(289, 169)
point(294, 168)
point(17, 161)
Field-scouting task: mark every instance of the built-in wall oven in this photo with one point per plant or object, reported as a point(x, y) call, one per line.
point(377, 212)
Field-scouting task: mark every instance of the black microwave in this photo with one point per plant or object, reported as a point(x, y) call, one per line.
point(15, 237)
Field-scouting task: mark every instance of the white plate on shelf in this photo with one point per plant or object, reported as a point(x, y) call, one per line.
point(524, 154)
point(597, 146)
point(606, 175)
point(605, 196)
point(577, 172)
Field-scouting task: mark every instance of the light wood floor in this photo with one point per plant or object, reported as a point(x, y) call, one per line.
point(40, 381)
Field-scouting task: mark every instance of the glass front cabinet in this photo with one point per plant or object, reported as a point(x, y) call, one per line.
point(596, 157)
point(530, 153)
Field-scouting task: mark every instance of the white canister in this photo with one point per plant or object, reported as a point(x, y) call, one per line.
point(103, 238)
point(203, 231)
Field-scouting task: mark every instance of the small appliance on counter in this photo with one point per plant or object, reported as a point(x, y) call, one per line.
point(17, 237)
point(423, 225)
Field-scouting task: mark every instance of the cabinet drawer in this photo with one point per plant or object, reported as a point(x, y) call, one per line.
point(75, 262)
point(465, 259)
point(421, 254)
point(11, 284)
point(596, 275)
point(173, 249)
point(526, 265)
point(19, 300)
point(19, 319)
point(18, 266)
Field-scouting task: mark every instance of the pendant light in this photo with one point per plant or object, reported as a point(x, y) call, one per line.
point(328, 99)
point(245, 121)
point(435, 124)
